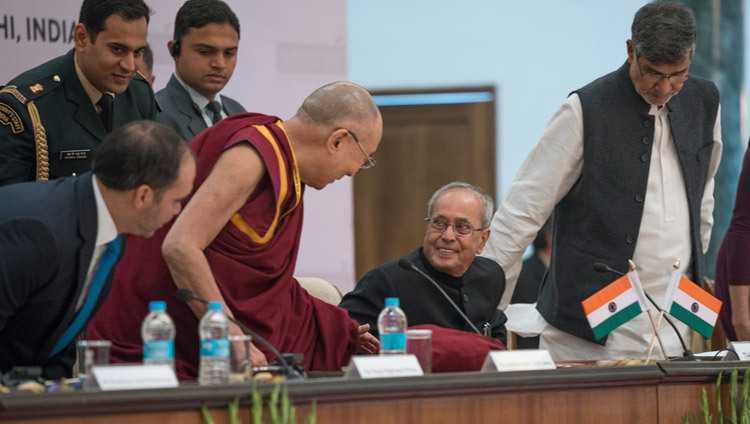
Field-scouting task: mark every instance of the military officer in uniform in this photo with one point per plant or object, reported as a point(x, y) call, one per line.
point(53, 117)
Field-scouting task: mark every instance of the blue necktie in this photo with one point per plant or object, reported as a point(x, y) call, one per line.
point(100, 276)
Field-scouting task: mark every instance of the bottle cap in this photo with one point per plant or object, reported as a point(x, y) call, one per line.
point(391, 301)
point(157, 305)
point(214, 306)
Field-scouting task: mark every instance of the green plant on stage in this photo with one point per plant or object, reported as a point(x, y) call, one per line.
point(287, 414)
point(739, 406)
point(234, 410)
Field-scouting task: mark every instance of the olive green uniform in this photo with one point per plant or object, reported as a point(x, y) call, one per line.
point(49, 127)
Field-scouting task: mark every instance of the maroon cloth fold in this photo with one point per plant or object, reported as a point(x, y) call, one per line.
point(456, 351)
point(252, 259)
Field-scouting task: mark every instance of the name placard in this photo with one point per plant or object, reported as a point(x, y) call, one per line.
point(383, 366)
point(128, 377)
point(518, 360)
point(742, 349)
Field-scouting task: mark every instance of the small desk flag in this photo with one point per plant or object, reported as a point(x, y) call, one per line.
point(615, 304)
point(692, 305)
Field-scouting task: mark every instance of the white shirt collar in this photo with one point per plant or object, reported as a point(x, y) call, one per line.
point(198, 99)
point(106, 231)
point(658, 110)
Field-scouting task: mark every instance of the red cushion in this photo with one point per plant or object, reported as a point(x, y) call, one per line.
point(455, 351)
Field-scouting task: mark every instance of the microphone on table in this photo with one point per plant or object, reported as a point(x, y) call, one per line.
point(687, 355)
point(408, 265)
point(291, 373)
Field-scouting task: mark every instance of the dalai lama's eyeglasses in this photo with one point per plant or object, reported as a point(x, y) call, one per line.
point(461, 228)
point(370, 159)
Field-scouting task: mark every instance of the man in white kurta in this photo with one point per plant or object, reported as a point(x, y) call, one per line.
point(552, 169)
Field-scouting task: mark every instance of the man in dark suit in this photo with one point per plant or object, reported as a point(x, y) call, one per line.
point(60, 239)
point(206, 38)
point(456, 231)
point(56, 115)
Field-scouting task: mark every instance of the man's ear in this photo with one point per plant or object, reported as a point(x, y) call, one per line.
point(485, 236)
point(631, 51)
point(174, 48)
point(144, 196)
point(81, 37)
point(333, 143)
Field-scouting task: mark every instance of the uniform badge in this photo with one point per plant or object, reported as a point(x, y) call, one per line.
point(17, 94)
point(36, 88)
point(8, 116)
point(74, 154)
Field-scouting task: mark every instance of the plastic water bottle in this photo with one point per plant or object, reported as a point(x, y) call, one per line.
point(214, 333)
point(392, 328)
point(158, 333)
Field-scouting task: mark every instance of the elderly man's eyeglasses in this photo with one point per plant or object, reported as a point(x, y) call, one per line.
point(654, 78)
point(461, 228)
point(370, 159)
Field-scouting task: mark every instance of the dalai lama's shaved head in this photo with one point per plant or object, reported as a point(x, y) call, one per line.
point(338, 102)
point(335, 133)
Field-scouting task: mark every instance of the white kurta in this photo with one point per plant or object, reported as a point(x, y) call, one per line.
point(546, 176)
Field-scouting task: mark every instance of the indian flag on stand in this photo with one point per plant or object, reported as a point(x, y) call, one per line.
point(615, 304)
point(692, 305)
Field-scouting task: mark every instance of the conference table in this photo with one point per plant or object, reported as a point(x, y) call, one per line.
point(573, 393)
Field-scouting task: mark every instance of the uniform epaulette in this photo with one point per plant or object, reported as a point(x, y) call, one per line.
point(36, 89)
point(13, 91)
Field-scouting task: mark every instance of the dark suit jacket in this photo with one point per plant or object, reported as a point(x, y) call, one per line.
point(47, 235)
point(477, 293)
point(179, 114)
point(73, 128)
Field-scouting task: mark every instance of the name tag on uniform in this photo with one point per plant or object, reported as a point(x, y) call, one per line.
point(74, 154)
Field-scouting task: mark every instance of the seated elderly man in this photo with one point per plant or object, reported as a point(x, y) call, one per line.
point(458, 216)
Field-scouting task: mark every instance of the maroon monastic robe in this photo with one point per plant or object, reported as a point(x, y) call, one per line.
point(459, 351)
point(252, 259)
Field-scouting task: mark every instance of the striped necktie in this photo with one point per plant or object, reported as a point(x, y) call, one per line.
point(107, 261)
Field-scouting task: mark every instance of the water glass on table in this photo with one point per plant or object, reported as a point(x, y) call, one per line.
point(90, 353)
point(240, 367)
point(419, 343)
